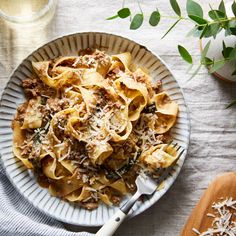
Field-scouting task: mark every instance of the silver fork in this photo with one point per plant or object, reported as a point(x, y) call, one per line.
point(145, 186)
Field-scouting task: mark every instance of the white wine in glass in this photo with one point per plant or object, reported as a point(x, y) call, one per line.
point(27, 12)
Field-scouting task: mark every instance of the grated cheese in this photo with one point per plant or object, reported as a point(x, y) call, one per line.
point(223, 223)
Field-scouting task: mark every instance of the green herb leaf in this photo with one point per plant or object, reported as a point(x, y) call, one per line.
point(205, 50)
point(222, 6)
point(204, 31)
point(137, 21)
point(231, 104)
point(170, 28)
point(212, 30)
point(232, 55)
point(193, 32)
point(217, 65)
point(124, 13)
point(194, 8)
point(207, 61)
point(232, 30)
point(234, 7)
point(155, 18)
point(226, 50)
point(198, 19)
point(185, 54)
point(216, 15)
point(175, 6)
point(112, 17)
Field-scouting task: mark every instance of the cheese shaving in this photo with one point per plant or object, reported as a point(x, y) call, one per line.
point(224, 219)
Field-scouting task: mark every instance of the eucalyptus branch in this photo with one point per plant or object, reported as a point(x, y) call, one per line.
point(203, 28)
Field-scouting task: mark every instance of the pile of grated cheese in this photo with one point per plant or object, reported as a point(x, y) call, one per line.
point(224, 223)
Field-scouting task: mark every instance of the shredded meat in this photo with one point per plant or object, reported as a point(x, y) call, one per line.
point(52, 106)
point(27, 148)
point(90, 205)
point(20, 115)
point(35, 87)
point(157, 88)
point(116, 200)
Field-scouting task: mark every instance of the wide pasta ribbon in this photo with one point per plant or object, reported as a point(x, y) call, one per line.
point(166, 111)
point(134, 94)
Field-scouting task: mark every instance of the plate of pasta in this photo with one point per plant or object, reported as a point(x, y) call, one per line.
point(81, 117)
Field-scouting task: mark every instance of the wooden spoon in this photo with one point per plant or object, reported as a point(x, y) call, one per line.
point(223, 186)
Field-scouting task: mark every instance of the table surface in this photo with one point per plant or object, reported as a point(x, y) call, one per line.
point(213, 134)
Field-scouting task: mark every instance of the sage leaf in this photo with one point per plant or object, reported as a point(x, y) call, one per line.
point(234, 7)
point(175, 6)
point(222, 7)
point(216, 15)
point(194, 8)
point(185, 54)
point(231, 104)
point(170, 28)
point(198, 19)
point(137, 21)
point(124, 13)
point(155, 18)
point(112, 17)
point(217, 65)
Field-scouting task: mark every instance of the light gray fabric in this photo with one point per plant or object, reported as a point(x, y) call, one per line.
point(213, 135)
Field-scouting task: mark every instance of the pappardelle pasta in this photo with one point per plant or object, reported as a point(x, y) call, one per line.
point(90, 124)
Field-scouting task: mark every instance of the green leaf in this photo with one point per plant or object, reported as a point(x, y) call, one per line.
point(175, 6)
point(185, 54)
point(207, 61)
point(212, 30)
point(204, 31)
point(216, 15)
point(170, 28)
point(198, 19)
point(231, 104)
point(226, 50)
point(124, 13)
point(194, 32)
point(205, 50)
point(194, 9)
point(230, 27)
point(234, 7)
point(234, 72)
point(232, 55)
point(222, 6)
point(155, 18)
point(217, 65)
point(137, 21)
point(232, 30)
point(112, 17)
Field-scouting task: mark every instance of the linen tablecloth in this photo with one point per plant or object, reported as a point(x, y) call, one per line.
point(213, 136)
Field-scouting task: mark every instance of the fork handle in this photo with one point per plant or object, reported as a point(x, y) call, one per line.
point(109, 228)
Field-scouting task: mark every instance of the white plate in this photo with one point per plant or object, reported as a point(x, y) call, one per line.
point(24, 181)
